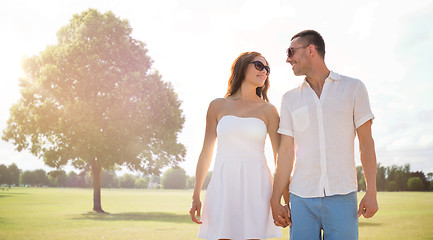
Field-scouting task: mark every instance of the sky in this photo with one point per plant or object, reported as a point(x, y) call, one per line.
point(386, 44)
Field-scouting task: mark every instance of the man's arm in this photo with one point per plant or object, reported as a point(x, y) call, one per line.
point(286, 154)
point(368, 205)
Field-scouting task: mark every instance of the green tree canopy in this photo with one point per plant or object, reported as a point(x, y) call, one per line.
point(155, 181)
point(58, 178)
point(127, 181)
point(415, 184)
point(14, 172)
point(174, 178)
point(41, 177)
point(381, 177)
point(190, 181)
point(399, 175)
point(391, 186)
point(109, 179)
point(360, 177)
point(29, 177)
point(94, 101)
point(5, 176)
point(36, 177)
point(206, 180)
point(430, 176)
point(142, 183)
point(421, 175)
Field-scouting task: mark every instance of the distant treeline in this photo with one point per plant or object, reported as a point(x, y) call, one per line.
point(173, 178)
point(392, 178)
point(398, 178)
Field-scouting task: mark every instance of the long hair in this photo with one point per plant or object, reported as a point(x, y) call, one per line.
point(237, 76)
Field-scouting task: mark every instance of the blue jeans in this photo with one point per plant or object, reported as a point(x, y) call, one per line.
point(336, 215)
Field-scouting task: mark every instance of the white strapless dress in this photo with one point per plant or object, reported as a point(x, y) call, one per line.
point(236, 205)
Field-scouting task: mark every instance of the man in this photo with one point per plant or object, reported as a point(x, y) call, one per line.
point(319, 121)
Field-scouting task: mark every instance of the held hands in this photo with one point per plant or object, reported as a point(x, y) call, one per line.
point(281, 215)
point(195, 207)
point(368, 205)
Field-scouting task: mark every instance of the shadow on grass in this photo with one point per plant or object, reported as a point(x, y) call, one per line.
point(135, 216)
point(10, 194)
point(368, 224)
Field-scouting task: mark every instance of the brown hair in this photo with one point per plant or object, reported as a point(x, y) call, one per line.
point(314, 38)
point(239, 68)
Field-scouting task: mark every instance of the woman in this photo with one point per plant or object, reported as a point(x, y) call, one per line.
point(236, 205)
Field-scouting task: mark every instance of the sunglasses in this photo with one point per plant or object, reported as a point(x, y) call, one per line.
point(260, 66)
point(291, 51)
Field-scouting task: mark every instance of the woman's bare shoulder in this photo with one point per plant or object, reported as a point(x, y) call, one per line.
point(216, 105)
point(270, 109)
point(217, 102)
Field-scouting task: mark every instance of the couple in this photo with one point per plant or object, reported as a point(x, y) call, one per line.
point(319, 121)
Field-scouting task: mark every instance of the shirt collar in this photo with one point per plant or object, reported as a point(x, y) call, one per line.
point(332, 75)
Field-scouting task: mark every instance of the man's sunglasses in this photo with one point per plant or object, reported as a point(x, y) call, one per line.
point(259, 66)
point(291, 51)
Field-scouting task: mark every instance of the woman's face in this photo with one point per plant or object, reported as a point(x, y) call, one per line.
point(255, 76)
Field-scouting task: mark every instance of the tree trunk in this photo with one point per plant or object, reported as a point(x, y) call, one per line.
point(96, 172)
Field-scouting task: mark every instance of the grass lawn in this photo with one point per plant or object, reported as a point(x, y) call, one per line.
point(56, 213)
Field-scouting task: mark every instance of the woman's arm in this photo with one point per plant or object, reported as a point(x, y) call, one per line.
point(205, 158)
point(273, 124)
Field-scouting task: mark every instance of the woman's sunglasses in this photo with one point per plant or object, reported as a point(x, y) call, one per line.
point(259, 66)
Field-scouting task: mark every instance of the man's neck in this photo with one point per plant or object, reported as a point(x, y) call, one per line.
point(317, 78)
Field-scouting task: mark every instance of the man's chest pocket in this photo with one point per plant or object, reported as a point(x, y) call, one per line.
point(301, 119)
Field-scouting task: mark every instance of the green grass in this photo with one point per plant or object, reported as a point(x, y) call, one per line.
point(55, 213)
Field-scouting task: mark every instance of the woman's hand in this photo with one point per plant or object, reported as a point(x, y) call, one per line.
point(195, 207)
point(281, 215)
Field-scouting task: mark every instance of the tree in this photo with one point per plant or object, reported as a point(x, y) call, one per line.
point(174, 178)
point(142, 183)
point(14, 174)
point(94, 101)
point(29, 178)
point(420, 175)
point(362, 186)
point(41, 177)
point(207, 180)
point(155, 181)
point(399, 175)
point(190, 181)
point(431, 186)
point(127, 181)
point(37, 177)
point(381, 177)
point(403, 177)
point(415, 184)
point(109, 179)
point(5, 176)
point(360, 177)
point(430, 176)
point(391, 186)
point(58, 178)
point(75, 180)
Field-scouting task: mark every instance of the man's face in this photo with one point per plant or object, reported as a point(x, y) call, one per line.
point(297, 57)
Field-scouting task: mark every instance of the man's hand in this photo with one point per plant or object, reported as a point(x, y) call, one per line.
point(281, 215)
point(368, 205)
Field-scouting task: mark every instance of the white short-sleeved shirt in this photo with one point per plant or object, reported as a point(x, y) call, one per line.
point(324, 133)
